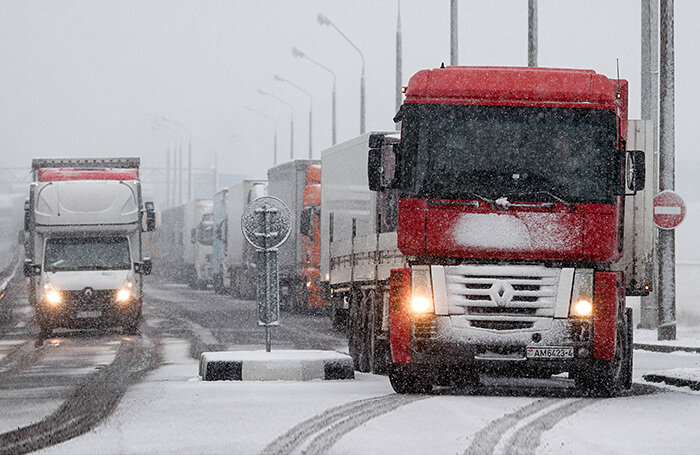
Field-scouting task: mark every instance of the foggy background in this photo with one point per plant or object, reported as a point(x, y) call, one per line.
point(96, 78)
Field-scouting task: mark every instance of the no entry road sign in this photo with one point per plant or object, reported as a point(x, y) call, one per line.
point(669, 209)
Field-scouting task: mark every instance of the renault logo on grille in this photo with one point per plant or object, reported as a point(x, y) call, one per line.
point(501, 292)
point(88, 293)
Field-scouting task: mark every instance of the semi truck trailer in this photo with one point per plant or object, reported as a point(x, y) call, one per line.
point(83, 221)
point(500, 233)
point(297, 183)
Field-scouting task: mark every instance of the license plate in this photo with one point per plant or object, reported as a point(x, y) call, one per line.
point(549, 352)
point(89, 314)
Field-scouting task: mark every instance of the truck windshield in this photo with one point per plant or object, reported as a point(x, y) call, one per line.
point(87, 253)
point(454, 151)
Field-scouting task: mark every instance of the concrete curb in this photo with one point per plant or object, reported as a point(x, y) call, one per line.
point(292, 365)
point(664, 348)
point(670, 380)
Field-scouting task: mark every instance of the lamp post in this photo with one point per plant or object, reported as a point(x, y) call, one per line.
point(274, 122)
point(311, 103)
point(291, 121)
point(299, 54)
point(179, 125)
point(323, 20)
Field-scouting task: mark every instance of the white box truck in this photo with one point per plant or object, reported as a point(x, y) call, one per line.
point(83, 223)
point(239, 262)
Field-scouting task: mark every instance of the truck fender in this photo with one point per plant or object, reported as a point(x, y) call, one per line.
point(605, 308)
point(399, 316)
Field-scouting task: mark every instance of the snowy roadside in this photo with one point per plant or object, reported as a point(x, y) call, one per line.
point(687, 342)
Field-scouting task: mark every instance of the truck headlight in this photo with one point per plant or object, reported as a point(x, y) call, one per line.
point(582, 294)
point(53, 298)
point(123, 295)
point(422, 290)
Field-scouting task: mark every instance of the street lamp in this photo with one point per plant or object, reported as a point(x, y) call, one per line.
point(323, 20)
point(311, 103)
point(291, 121)
point(299, 54)
point(274, 122)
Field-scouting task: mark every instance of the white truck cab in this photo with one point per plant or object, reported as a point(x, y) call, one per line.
point(85, 263)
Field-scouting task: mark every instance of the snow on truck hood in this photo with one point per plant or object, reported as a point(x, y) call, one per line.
point(96, 279)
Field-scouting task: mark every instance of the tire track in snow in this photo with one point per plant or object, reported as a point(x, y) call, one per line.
point(527, 439)
point(527, 429)
point(91, 402)
point(329, 426)
point(486, 439)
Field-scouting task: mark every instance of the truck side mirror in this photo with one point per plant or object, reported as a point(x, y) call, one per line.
point(636, 170)
point(374, 169)
point(147, 266)
point(27, 215)
point(144, 267)
point(30, 269)
point(306, 222)
point(150, 217)
point(193, 235)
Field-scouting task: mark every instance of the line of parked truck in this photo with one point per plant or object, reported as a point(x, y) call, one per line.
point(500, 231)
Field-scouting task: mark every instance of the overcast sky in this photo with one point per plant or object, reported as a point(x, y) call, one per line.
point(82, 78)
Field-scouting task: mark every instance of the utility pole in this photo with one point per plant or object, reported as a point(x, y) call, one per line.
point(399, 63)
point(167, 178)
point(453, 33)
point(179, 191)
point(532, 33)
point(189, 171)
point(667, 239)
point(650, 111)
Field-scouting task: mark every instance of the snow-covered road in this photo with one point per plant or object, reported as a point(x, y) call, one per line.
point(172, 410)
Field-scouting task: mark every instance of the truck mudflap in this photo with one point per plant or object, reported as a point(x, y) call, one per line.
point(399, 316)
point(605, 315)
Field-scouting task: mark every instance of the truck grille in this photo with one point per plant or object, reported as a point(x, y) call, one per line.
point(502, 297)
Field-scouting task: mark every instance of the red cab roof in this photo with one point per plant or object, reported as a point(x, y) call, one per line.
point(63, 174)
point(516, 86)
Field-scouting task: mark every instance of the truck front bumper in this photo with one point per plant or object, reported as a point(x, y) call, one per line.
point(502, 350)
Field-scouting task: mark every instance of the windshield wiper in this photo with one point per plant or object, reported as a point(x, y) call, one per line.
point(569, 205)
point(483, 198)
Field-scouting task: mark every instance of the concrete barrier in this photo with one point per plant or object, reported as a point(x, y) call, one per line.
point(286, 365)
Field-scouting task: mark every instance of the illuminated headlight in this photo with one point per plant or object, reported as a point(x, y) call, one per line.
point(422, 290)
point(53, 298)
point(583, 308)
point(582, 294)
point(123, 295)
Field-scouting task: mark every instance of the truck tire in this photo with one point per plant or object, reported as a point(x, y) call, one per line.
point(355, 328)
point(608, 378)
point(405, 379)
point(339, 316)
point(629, 359)
point(365, 334)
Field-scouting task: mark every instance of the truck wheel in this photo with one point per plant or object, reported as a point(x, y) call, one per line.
point(365, 335)
point(355, 328)
point(629, 359)
point(45, 329)
point(404, 379)
point(339, 316)
point(607, 378)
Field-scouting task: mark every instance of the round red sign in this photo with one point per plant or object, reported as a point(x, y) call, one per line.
point(669, 209)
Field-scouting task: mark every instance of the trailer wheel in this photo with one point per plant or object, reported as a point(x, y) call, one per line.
point(365, 334)
point(354, 336)
point(406, 380)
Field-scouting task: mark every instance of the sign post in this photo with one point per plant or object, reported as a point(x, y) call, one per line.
point(669, 211)
point(266, 224)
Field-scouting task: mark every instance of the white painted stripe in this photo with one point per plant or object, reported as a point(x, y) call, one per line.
point(667, 210)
